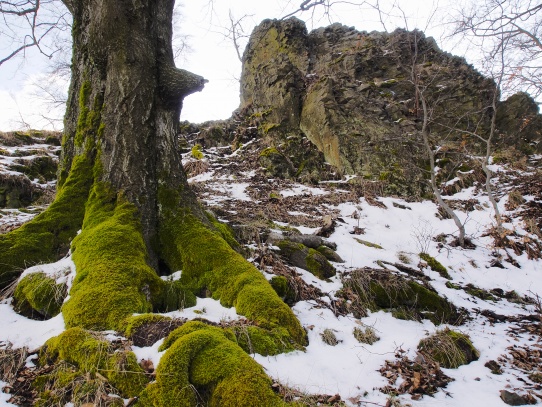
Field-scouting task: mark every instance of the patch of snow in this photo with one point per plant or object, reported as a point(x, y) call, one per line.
point(301, 190)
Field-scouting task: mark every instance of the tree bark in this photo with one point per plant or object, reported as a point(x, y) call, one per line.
point(122, 185)
point(124, 76)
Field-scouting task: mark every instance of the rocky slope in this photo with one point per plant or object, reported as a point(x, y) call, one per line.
point(352, 95)
point(319, 176)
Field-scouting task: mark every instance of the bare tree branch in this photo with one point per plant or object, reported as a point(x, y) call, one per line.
point(31, 24)
point(511, 29)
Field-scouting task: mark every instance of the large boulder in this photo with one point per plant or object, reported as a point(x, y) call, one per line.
point(352, 94)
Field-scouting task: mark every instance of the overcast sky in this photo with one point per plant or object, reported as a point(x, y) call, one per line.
point(212, 56)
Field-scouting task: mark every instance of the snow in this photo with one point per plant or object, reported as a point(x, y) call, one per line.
point(21, 331)
point(3, 396)
point(302, 189)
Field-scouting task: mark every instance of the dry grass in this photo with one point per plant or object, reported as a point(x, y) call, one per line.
point(515, 199)
point(367, 336)
point(196, 167)
point(11, 361)
point(329, 338)
point(304, 399)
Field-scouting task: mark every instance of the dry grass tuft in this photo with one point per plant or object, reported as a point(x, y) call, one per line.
point(367, 336)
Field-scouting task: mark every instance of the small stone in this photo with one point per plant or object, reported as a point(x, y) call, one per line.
point(512, 399)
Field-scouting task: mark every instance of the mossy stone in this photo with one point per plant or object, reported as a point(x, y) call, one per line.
point(376, 289)
point(306, 258)
point(38, 296)
point(450, 349)
point(330, 254)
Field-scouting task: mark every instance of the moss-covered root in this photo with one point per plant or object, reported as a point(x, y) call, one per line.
point(91, 354)
point(209, 263)
point(203, 366)
point(113, 278)
point(450, 349)
point(47, 237)
point(38, 296)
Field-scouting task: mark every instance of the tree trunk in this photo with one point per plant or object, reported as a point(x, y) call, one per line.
point(124, 77)
point(122, 184)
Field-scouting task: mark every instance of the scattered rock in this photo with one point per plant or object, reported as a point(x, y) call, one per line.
point(301, 256)
point(493, 366)
point(513, 399)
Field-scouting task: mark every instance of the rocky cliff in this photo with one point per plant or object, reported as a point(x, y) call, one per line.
point(352, 95)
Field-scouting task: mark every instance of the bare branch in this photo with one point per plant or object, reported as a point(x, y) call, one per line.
point(31, 24)
point(508, 29)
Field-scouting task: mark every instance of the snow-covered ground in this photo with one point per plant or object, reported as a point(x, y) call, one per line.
point(402, 230)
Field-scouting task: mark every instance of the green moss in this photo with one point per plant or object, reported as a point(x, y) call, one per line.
point(267, 127)
point(112, 269)
point(269, 151)
point(66, 384)
point(435, 265)
point(225, 231)
point(280, 285)
point(91, 354)
point(203, 365)
point(38, 295)
point(87, 118)
point(253, 339)
point(173, 296)
point(197, 152)
point(452, 286)
point(209, 263)
point(306, 258)
point(330, 254)
point(404, 297)
point(42, 168)
point(283, 289)
point(480, 293)
point(318, 265)
point(414, 300)
point(368, 244)
point(449, 348)
point(46, 238)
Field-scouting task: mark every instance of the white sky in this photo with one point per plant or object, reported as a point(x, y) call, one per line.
point(212, 56)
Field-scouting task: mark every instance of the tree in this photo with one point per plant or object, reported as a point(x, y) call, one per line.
point(508, 37)
point(422, 104)
point(511, 28)
point(122, 184)
point(40, 20)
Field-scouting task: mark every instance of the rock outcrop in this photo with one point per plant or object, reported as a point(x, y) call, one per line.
point(28, 165)
point(352, 94)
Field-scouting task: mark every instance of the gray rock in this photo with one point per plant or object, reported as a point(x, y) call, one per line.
point(512, 399)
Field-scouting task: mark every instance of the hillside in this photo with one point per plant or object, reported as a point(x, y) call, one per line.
point(396, 312)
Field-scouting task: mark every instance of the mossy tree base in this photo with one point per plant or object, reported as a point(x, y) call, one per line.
point(122, 184)
point(87, 354)
point(47, 237)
